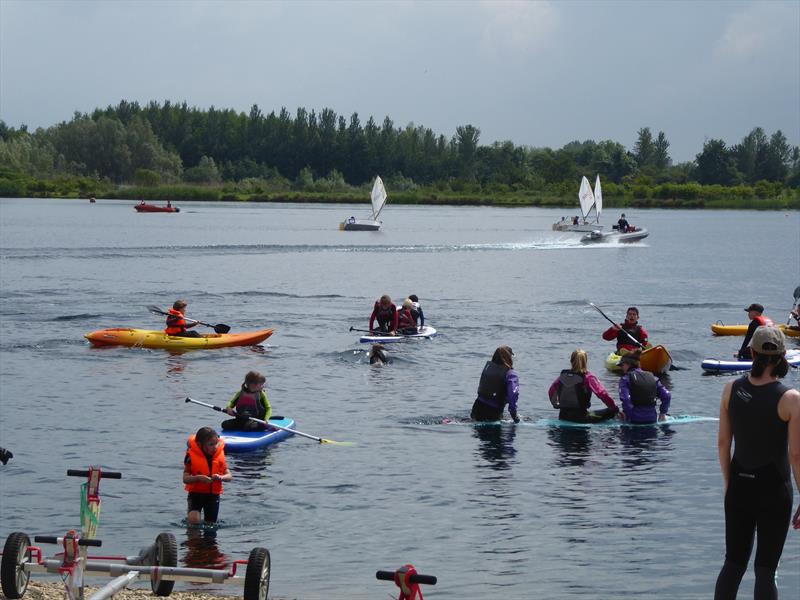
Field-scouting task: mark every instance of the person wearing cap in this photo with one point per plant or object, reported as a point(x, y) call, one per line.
point(638, 391)
point(757, 319)
point(627, 330)
point(622, 224)
point(760, 418)
point(571, 393)
point(499, 385)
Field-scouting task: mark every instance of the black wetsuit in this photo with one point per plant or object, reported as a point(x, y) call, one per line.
point(759, 496)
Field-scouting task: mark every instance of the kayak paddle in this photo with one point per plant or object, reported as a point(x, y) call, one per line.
point(220, 328)
point(796, 299)
point(274, 426)
point(633, 339)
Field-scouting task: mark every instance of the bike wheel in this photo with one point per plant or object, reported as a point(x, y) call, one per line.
point(166, 556)
point(256, 578)
point(13, 577)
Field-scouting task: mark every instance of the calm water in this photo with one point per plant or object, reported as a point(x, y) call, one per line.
point(519, 511)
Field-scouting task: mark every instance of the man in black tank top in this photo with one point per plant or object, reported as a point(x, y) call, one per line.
point(759, 417)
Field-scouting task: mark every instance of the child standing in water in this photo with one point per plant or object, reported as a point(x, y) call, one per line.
point(204, 470)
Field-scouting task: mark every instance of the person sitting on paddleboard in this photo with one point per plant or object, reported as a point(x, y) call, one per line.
point(405, 319)
point(622, 224)
point(638, 391)
point(571, 393)
point(377, 355)
point(757, 319)
point(204, 470)
point(499, 385)
point(385, 312)
point(416, 311)
point(176, 321)
point(629, 327)
point(250, 401)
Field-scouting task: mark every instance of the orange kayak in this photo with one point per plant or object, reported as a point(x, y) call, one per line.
point(655, 359)
point(145, 338)
point(720, 329)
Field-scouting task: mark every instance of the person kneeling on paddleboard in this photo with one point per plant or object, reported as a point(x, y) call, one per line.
point(250, 401)
point(405, 319)
point(204, 470)
point(176, 322)
point(630, 328)
point(416, 311)
point(386, 314)
point(571, 393)
point(757, 319)
point(638, 390)
point(499, 385)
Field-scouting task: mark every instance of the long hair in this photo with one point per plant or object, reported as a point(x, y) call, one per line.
point(504, 356)
point(761, 361)
point(579, 361)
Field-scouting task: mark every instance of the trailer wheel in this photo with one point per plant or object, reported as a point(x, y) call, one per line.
point(166, 556)
point(256, 578)
point(15, 554)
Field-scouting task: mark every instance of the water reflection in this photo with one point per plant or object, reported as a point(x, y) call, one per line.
point(572, 445)
point(497, 445)
point(176, 363)
point(250, 465)
point(644, 446)
point(202, 550)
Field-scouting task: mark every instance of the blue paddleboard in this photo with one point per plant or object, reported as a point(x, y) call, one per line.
point(247, 441)
point(676, 420)
point(713, 365)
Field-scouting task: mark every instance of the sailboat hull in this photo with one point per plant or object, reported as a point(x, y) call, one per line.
point(352, 224)
point(580, 228)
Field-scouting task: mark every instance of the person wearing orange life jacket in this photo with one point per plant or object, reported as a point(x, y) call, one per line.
point(385, 312)
point(757, 319)
point(623, 333)
point(204, 470)
point(406, 324)
point(176, 321)
point(250, 401)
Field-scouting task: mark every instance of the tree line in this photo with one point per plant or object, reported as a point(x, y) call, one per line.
point(167, 143)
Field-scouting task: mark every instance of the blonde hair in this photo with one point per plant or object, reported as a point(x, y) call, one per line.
point(579, 361)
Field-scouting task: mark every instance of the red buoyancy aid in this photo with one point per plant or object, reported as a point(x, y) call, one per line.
point(623, 341)
point(764, 321)
point(175, 322)
point(249, 404)
point(405, 319)
point(384, 314)
point(199, 466)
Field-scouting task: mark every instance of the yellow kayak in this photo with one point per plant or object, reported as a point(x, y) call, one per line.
point(655, 359)
point(720, 329)
point(144, 338)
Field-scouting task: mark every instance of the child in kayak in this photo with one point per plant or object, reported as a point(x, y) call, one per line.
point(250, 401)
point(623, 333)
point(572, 390)
point(176, 321)
point(204, 470)
point(638, 390)
point(499, 385)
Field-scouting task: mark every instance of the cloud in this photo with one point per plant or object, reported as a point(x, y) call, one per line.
point(758, 28)
point(514, 26)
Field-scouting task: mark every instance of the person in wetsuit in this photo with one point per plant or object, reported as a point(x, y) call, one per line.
point(571, 393)
point(250, 401)
point(760, 417)
point(406, 324)
point(385, 312)
point(499, 385)
point(638, 391)
point(757, 319)
point(416, 311)
point(622, 224)
point(623, 333)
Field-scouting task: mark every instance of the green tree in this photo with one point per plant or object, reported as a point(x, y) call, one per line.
point(715, 164)
point(644, 148)
point(661, 158)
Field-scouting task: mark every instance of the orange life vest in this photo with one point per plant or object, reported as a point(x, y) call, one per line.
point(199, 466)
point(175, 322)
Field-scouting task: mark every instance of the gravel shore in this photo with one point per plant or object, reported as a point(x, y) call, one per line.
point(38, 590)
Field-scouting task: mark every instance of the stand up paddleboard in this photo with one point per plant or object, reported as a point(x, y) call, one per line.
point(247, 441)
point(424, 332)
point(676, 420)
point(712, 365)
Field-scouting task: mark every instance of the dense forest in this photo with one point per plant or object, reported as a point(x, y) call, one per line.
point(166, 144)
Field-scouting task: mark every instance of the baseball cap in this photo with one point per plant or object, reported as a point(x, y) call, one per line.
point(769, 341)
point(755, 307)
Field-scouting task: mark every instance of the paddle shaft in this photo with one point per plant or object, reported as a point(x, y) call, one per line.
point(382, 333)
point(633, 339)
point(267, 423)
point(221, 326)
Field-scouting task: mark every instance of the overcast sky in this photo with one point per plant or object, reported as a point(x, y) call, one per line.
point(536, 73)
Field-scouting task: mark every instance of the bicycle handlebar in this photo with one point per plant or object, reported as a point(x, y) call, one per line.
point(418, 578)
point(51, 539)
point(104, 474)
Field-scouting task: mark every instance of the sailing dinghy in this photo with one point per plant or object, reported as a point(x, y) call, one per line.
point(372, 224)
point(588, 201)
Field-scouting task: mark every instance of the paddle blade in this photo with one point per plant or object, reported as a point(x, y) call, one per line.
point(335, 443)
point(222, 328)
point(155, 310)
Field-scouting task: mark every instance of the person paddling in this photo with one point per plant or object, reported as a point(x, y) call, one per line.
point(385, 312)
point(499, 385)
point(638, 391)
point(176, 321)
point(757, 319)
point(629, 328)
point(760, 418)
point(572, 390)
point(250, 401)
point(204, 470)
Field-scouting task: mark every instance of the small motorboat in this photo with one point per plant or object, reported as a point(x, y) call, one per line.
point(144, 207)
point(632, 235)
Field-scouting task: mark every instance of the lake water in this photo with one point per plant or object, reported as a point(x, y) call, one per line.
point(511, 511)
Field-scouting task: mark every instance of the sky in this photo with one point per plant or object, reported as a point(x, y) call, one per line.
point(536, 73)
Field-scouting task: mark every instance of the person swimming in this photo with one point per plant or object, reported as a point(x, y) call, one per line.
point(377, 355)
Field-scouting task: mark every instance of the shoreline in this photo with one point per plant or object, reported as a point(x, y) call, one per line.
point(47, 590)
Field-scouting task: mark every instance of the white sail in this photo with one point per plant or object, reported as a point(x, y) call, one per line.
point(586, 197)
point(598, 198)
point(378, 198)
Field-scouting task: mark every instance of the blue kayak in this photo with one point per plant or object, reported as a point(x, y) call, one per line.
point(247, 441)
point(712, 365)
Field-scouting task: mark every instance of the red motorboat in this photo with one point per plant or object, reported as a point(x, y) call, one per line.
point(144, 207)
